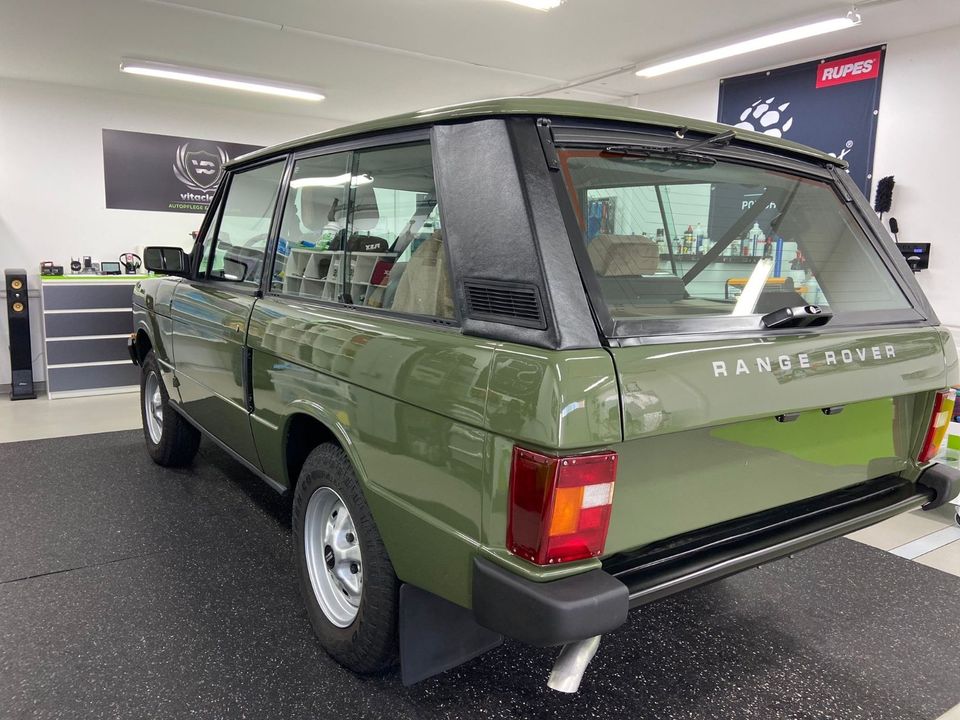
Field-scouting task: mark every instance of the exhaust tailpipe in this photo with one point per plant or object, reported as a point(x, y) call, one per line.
point(571, 664)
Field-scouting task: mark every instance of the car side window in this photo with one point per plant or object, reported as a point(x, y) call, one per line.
point(309, 253)
point(238, 250)
point(395, 253)
point(204, 244)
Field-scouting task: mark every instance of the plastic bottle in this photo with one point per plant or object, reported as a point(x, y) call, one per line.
point(688, 241)
point(736, 247)
point(698, 234)
point(755, 236)
point(327, 235)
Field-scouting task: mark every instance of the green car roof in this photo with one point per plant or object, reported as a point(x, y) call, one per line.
point(541, 106)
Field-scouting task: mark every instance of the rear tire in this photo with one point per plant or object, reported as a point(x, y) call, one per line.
point(171, 440)
point(345, 575)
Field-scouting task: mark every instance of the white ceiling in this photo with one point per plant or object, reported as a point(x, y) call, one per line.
point(379, 57)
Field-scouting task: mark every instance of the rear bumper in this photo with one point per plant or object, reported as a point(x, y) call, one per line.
point(596, 602)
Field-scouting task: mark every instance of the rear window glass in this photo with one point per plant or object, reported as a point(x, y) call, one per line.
point(669, 238)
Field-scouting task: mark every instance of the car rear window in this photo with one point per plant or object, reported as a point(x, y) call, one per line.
point(677, 237)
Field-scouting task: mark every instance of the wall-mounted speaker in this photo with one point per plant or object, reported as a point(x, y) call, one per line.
point(18, 321)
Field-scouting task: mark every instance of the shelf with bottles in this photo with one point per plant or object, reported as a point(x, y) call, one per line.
point(746, 259)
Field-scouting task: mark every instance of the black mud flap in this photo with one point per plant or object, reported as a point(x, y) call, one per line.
point(436, 635)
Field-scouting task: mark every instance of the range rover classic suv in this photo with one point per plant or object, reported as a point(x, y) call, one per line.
point(527, 365)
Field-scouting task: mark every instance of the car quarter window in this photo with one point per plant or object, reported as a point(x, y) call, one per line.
point(204, 243)
point(396, 257)
point(363, 228)
point(308, 260)
point(238, 250)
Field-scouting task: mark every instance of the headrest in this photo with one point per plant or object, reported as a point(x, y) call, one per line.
point(624, 255)
point(314, 207)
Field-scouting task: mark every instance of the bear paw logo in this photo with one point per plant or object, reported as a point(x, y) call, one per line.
point(763, 117)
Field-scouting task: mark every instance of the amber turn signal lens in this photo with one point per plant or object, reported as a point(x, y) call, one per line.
point(939, 422)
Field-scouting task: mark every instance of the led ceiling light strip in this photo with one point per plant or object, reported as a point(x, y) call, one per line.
point(543, 5)
point(852, 19)
point(334, 181)
point(215, 78)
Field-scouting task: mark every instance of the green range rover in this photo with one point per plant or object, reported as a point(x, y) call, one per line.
point(526, 365)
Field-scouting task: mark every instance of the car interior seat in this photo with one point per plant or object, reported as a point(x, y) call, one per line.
point(424, 286)
point(626, 268)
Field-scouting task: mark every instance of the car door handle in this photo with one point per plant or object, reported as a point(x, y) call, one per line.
point(235, 326)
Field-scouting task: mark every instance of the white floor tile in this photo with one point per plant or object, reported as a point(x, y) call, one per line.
point(951, 714)
point(45, 418)
point(946, 558)
point(902, 529)
point(927, 543)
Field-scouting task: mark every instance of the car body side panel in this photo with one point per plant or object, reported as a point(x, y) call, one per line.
point(406, 400)
point(951, 360)
point(151, 314)
point(416, 406)
point(209, 331)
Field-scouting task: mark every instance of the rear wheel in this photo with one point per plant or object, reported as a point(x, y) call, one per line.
point(347, 581)
point(171, 440)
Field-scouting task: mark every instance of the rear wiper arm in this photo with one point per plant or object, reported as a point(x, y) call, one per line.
point(684, 151)
point(720, 140)
point(796, 317)
point(642, 152)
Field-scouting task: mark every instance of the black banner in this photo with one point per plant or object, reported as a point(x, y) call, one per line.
point(143, 171)
point(829, 104)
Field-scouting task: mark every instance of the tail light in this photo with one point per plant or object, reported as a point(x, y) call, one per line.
point(559, 506)
point(939, 422)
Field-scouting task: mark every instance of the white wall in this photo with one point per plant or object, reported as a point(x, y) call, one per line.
point(918, 107)
point(917, 111)
point(699, 100)
point(51, 175)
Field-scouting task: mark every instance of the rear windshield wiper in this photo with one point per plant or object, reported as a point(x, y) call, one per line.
point(796, 317)
point(683, 152)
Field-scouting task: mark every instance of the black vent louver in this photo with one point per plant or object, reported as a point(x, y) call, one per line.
point(505, 302)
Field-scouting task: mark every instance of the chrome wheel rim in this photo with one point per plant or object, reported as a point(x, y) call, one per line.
point(332, 550)
point(153, 407)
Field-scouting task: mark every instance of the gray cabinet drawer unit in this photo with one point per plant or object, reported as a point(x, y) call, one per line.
point(86, 324)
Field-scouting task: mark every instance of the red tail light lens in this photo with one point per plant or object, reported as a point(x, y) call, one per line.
point(939, 422)
point(559, 506)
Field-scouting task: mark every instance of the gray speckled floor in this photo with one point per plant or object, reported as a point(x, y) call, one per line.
point(129, 591)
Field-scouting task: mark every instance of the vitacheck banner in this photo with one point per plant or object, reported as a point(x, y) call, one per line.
point(830, 104)
point(143, 171)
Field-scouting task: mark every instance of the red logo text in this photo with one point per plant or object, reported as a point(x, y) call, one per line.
point(849, 69)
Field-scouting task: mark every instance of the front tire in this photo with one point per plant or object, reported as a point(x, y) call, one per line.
point(171, 440)
point(346, 578)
